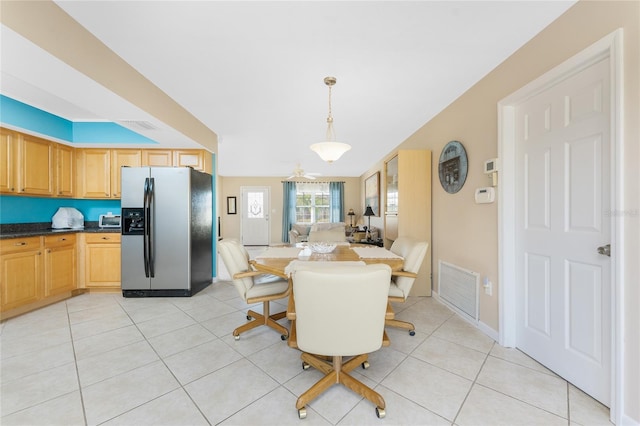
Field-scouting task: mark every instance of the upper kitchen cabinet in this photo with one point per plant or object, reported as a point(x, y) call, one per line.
point(65, 170)
point(94, 173)
point(8, 159)
point(157, 157)
point(122, 158)
point(36, 166)
point(195, 158)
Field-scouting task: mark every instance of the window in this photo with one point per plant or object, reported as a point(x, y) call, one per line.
point(313, 203)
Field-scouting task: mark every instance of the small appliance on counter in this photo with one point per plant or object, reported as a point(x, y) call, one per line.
point(109, 220)
point(67, 217)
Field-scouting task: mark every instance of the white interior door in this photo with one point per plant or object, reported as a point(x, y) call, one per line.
point(255, 216)
point(563, 288)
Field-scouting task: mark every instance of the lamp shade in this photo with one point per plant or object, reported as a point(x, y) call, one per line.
point(351, 212)
point(330, 151)
point(369, 211)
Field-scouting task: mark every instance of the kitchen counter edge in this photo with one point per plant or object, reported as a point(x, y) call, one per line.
point(7, 234)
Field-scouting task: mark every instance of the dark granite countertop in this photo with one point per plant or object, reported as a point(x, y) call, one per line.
point(19, 230)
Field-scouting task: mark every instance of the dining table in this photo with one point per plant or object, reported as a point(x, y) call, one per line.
point(280, 260)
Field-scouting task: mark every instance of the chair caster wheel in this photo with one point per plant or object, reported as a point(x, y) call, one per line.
point(237, 337)
point(305, 366)
point(365, 365)
point(249, 318)
point(302, 413)
point(380, 412)
point(412, 333)
point(284, 336)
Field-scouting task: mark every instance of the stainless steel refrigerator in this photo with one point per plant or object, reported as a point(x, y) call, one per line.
point(167, 228)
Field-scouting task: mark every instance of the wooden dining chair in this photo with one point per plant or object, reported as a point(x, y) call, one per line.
point(254, 287)
point(402, 281)
point(340, 312)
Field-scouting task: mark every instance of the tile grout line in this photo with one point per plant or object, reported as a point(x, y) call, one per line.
point(75, 362)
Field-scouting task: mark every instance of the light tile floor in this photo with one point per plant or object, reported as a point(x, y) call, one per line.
point(102, 359)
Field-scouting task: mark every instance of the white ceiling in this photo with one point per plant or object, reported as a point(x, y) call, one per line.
point(253, 71)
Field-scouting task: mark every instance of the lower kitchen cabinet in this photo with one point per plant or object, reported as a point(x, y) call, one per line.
point(59, 264)
point(21, 281)
point(102, 261)
point(37, 271)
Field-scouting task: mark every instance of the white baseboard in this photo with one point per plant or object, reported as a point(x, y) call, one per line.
point(490, 332)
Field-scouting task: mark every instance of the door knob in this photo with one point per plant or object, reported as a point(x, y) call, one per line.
point(606, 250)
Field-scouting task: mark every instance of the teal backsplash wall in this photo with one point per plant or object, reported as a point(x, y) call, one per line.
point(15, 209)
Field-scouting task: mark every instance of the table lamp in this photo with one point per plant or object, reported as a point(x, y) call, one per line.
point(369, 212)
point(352, 214)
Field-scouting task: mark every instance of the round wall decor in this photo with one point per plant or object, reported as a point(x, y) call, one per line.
point(452, 167)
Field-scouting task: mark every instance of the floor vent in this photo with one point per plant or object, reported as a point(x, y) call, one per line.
point(459, 289)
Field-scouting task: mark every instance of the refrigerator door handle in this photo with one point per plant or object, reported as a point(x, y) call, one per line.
point(146, 227)
point(151, 230)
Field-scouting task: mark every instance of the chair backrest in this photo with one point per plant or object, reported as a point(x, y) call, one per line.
point(413, 253)
point(340, 310)
point(236, 259)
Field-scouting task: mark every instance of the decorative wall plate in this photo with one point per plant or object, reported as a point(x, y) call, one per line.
point(452, 167)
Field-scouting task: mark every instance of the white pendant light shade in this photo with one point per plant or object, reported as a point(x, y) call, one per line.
point(330, 150)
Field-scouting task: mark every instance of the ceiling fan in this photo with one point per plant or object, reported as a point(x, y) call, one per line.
point(299, 173)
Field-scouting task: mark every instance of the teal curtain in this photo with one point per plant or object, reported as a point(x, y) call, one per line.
point(336, 192)
point(288, 208)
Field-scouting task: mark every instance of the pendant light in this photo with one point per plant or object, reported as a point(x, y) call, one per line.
point(330, 150)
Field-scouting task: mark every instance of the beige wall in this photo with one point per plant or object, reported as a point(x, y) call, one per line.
point(230, 187)
point(465, 233)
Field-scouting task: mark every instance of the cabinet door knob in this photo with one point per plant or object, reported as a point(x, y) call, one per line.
point(21, 243)
point(105, 238)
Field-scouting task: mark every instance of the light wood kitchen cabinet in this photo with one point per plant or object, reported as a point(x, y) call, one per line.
point(8, 161)
point(120, 158)
point(157, 157)
point(36, 166)
point(94, 173)
point(21, 280)
point(65, 170)
point(194, 158)
point(59, 264)
point(102, 260)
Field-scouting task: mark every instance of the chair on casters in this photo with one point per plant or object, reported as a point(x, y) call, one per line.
point(413, 253)
point(254, 286)
point(339, 312)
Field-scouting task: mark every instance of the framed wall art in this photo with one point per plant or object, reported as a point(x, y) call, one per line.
point(372, 192)
point(231, 205)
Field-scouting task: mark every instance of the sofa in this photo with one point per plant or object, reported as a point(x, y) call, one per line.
point(334, 231)
point(299, 233)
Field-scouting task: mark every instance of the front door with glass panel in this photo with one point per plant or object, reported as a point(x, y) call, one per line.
point(254, 209)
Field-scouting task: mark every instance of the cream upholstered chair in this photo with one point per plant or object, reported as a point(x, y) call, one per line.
point(413, 253)
point(340, 311)
point(254, 286)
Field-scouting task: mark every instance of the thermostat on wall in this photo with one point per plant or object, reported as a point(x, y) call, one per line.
point(485, 195)
point(492, 166)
